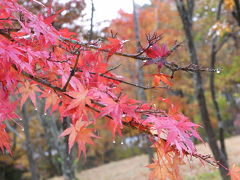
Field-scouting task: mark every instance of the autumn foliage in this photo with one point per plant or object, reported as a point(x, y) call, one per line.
point(75, 79)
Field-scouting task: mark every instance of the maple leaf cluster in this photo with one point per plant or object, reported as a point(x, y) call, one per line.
point(75, 80)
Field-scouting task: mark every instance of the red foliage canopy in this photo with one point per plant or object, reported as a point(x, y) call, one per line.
point(74, 79)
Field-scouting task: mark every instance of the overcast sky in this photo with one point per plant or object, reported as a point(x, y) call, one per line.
point(108, 9)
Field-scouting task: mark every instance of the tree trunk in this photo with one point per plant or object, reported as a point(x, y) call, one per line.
point(67, 165)
point(216, 106)
point(50, 137)
point(29, 148)
point(49, 123)
point(236, 12)
point(214, 52)
point(61, 146)
point(91, 25)
point(140, 76)
point(185, 12)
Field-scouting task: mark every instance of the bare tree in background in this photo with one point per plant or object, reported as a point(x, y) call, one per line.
point(140, 76)
point(67, 165)
point(215, 48)
point(186, 9)
point(29, 147)
point(91, 25)
point(236, 11)
point(51, 133)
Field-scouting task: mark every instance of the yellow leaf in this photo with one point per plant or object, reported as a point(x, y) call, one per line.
point(228, 4)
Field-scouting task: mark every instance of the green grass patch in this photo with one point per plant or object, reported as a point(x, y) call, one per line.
point(203, 176)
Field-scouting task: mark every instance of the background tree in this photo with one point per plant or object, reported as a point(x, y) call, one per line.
point(186, 11)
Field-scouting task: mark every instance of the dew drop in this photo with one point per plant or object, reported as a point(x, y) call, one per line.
point(20, 119)
point(22, 129)
point(45, 114)
point(122, 142)
point(36, 109)
point(114, 141)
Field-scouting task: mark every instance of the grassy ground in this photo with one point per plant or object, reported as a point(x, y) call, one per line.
point(133, 168)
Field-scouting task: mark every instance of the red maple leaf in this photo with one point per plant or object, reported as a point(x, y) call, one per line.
point(111, 125)
point(6, 107)
point(157, 54)
point(66, 33)
point(51, 18)
point(178, 131)
point(4, 139)
point(80, 134)
point(7, 110)
point(117, 110)
point(156, 51)
point(80, 96)
point(113, 46)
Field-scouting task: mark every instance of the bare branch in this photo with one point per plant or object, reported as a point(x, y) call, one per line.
point(170, 66)
point(125, 82)
point(132, 84)
point(72, 72)
point(131, 124)
point(111, 69)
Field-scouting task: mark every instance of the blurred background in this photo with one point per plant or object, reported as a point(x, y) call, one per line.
point(40, 154)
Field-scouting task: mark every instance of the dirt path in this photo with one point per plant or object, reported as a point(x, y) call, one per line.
point(133, 168)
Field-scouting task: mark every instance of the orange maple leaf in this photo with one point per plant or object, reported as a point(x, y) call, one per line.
point(52, 99)
point(80, 134)
point(166, 165)
point(234, 172)
point(80, 97)
point(28, 90)
point(161, 77)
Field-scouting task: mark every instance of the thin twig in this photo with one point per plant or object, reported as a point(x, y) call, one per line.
point(169, 65)
point(132, 84)
point(111, 69)
point(72, 72)
point(122, 81)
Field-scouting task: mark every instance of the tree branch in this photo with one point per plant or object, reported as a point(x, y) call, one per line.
point(72, 72)
point(131, 124)
point(169, 65)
